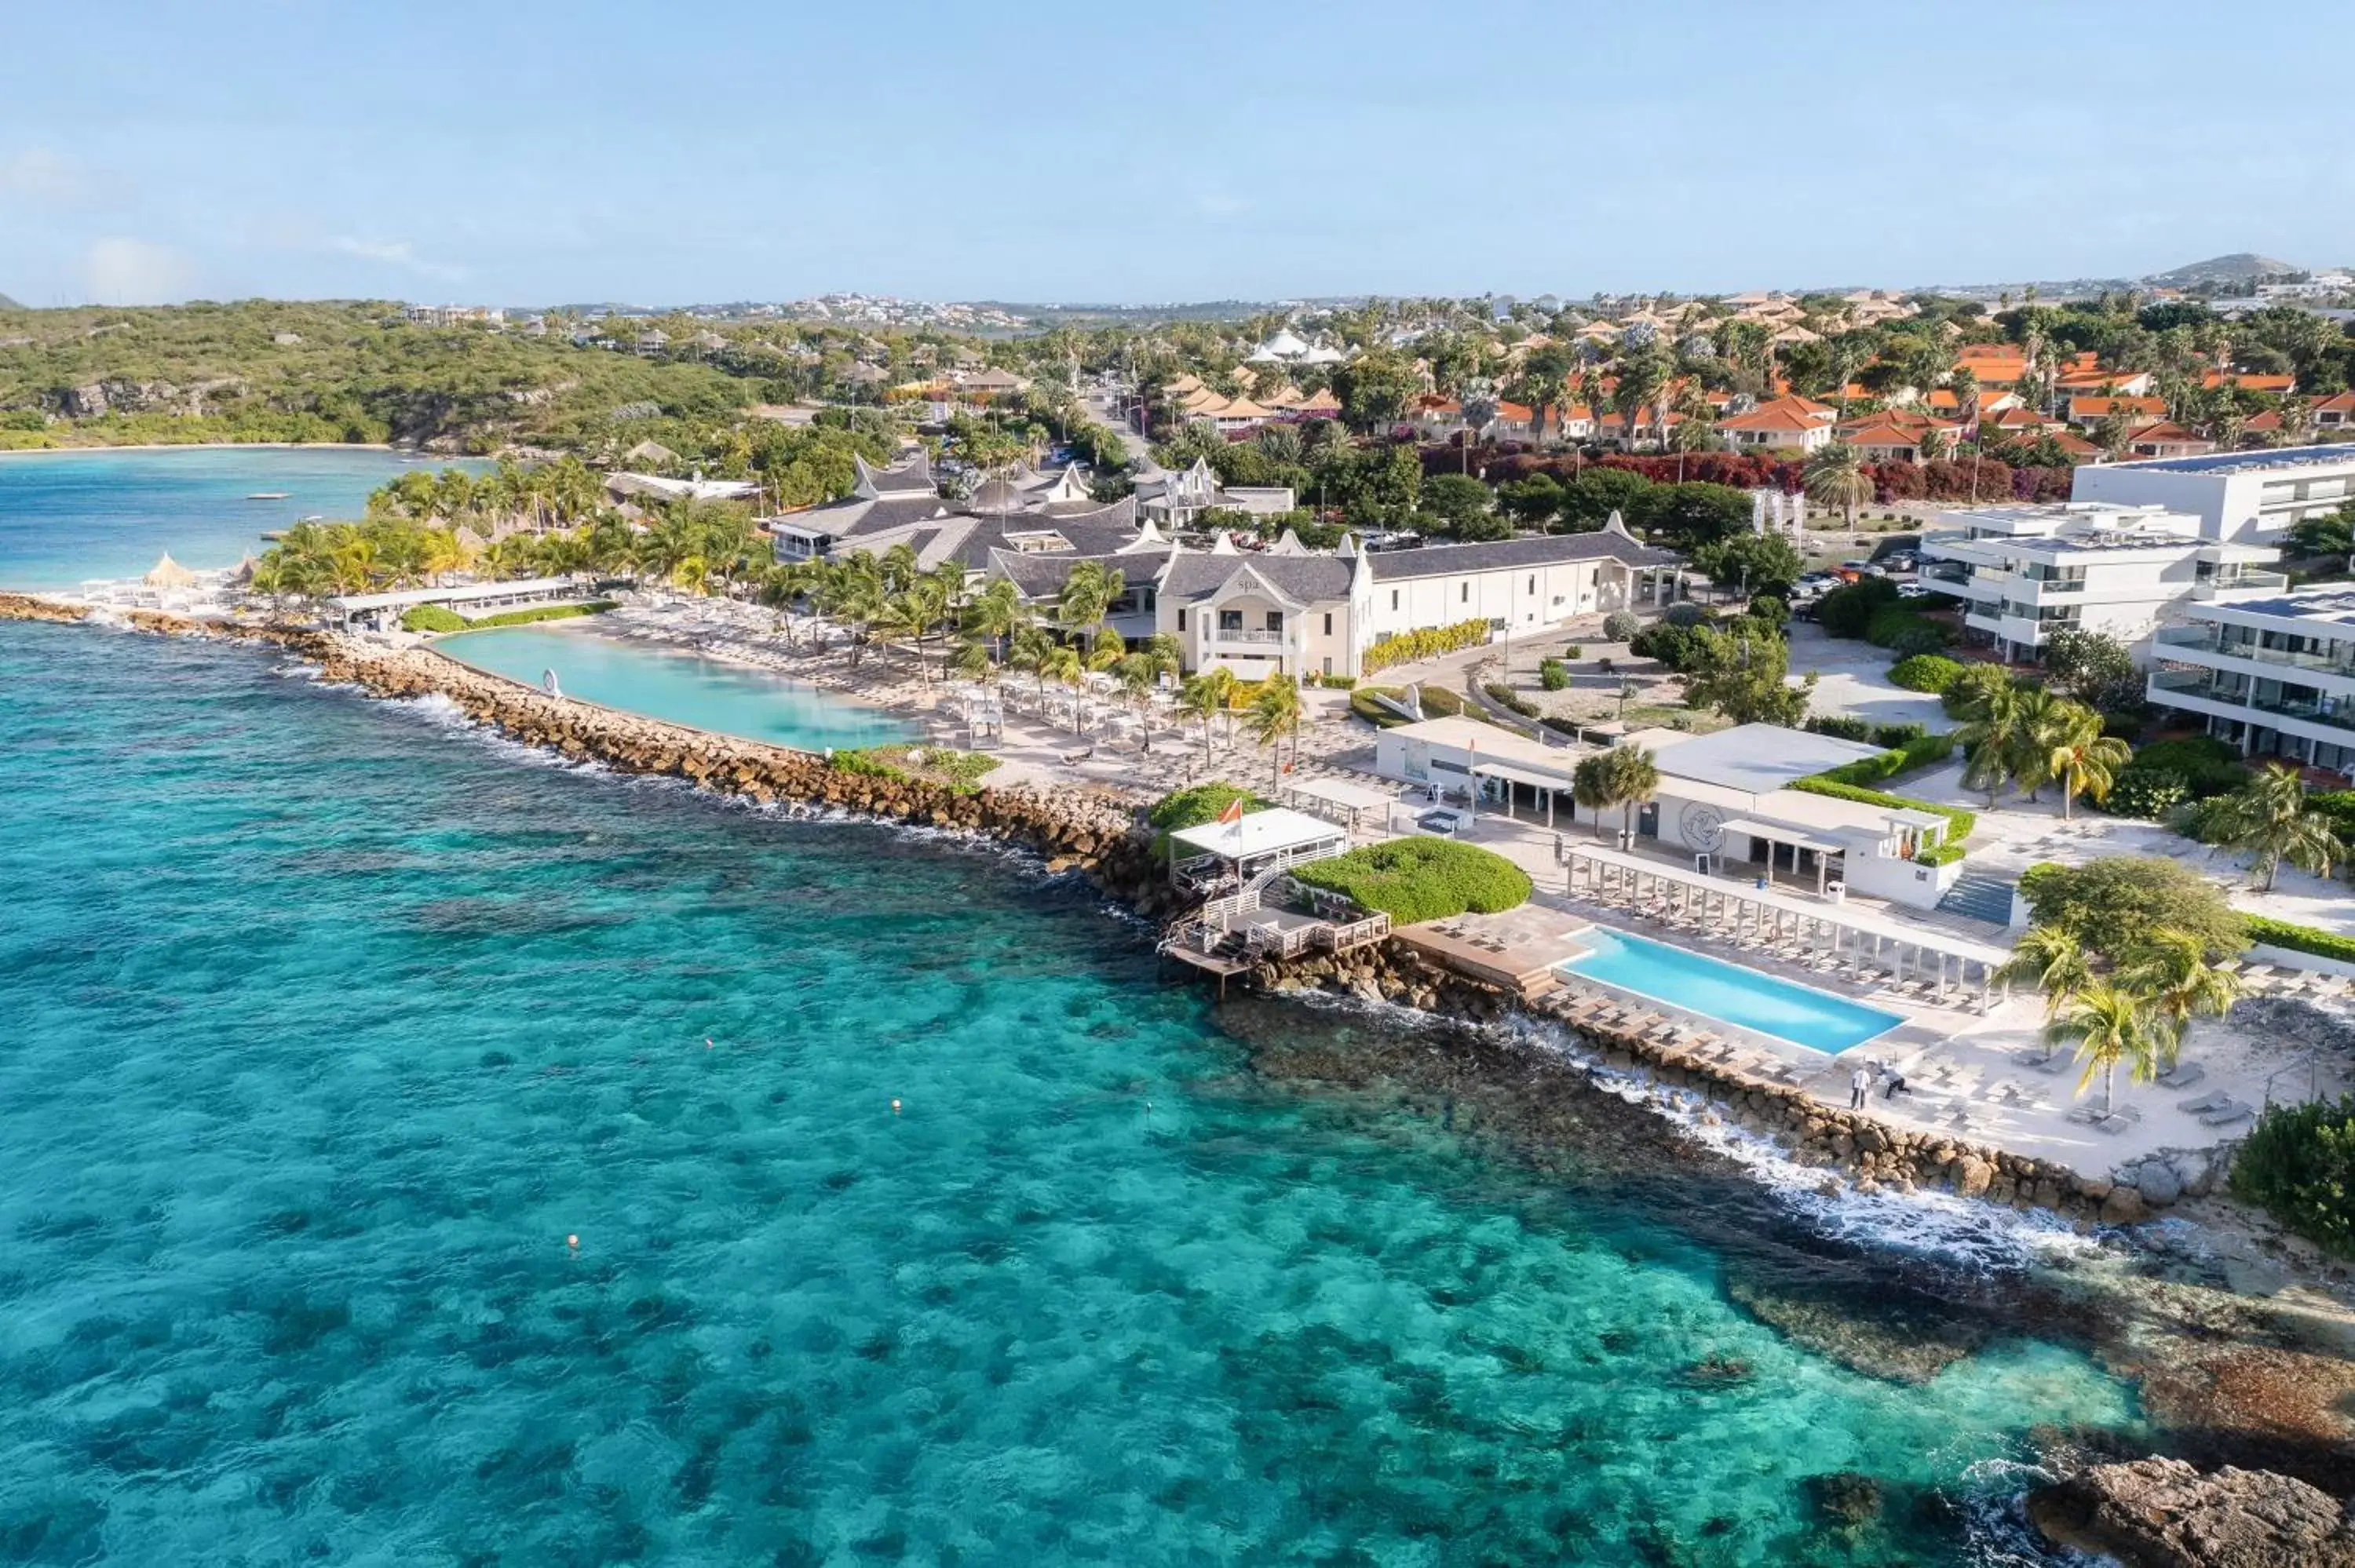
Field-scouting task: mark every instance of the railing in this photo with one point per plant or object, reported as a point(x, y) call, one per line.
point(1233, 904)
point(2272, 582)
point(1289, 942)
point(1287, 859)
point(1340, 938)
point(2209, 643)
point(2312, 713)
point(1268, 637)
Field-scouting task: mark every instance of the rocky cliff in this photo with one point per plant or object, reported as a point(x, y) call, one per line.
point(2164, 1513)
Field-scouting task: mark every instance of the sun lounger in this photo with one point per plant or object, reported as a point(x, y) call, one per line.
point(2083, 1116)
point(2227, 1114)
point(2204, 1103)
point(2181, 1076)
point(2113, 1125)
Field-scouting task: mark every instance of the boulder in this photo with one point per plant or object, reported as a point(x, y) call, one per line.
point(2163, 1513)
point(1972, 1176)
point(2124, 1206)
point(2158, 1183)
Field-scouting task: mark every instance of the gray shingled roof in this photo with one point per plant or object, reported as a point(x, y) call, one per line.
point(1307, 577)
point(1550, 549)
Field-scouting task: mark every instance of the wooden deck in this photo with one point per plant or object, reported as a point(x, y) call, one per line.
point(1515, 951)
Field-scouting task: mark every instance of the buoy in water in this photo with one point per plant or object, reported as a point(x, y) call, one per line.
point(573, 1242)
point(895, 1108)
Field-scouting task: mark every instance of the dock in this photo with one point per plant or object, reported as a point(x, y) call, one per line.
point(1516, 951)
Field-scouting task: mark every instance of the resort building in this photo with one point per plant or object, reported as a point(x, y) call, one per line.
point(1788, 424)
point(2238, 497)
point(2273, 675)
point(2023, 571)
point(1175, 500)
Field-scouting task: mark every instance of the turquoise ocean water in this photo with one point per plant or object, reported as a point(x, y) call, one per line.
point(67, 516)
point(683, 687)
point(327, 1021)
point(323, 1022)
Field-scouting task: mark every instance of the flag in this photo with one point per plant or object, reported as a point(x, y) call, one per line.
point(1234, 811)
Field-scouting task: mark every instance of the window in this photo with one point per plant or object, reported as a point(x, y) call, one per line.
point(1275, 621)
point(1533, 582)
point(1328, 629)
point(1394, 593)
point(1464, 593)
point(1181, 620)
point(1230, 621)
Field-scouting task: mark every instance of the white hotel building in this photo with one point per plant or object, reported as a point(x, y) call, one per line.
point(2273, 675)
point(2238, 497)
point(2024, 571)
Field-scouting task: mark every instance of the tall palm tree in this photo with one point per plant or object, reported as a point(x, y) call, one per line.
point(1203, 697)
point(1991, 740)
point(1062, 663)
point(1276, 714)
point(1089, 593)
point(1835, 475)
point(1634, 777)
point(2171, 972)
point(2081, 759)
point(996, 612)
point(2267, 819)
point(1137, 678)
point(1589, 786)
point(2052, 961)
point(2108, 1026)
point(972, 659)
point(1030, 647)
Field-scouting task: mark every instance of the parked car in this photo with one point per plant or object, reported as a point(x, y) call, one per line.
point(1913, 590)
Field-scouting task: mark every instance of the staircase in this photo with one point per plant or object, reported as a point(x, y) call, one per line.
point(1977, 895)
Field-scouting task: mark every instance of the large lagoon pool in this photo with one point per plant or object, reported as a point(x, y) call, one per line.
point(1742, 997)
point(683, 688)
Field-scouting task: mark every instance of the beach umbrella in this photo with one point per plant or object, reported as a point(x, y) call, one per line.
point(169, 573)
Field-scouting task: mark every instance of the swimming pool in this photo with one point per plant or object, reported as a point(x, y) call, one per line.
point(684, 688)
point(1728, 993)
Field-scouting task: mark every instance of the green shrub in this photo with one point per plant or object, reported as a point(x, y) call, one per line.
point(432, 618)
point(864, 764)
point(1848, 612)
point(1767, 607)
point(2146, 794)
point(1409, 646)
point(2111, 902)
point(1340, 682)
point(2207, 766)
point(1959, 821)
point(2299, 1165)
point(1684, 615)
point(1894, 624)
point(1840, 727)
point(541, 612)
point(1908, 753)
point(1932, 673)
point(1620, 625)
point(1574, 653)
point(1553, 674)
point(1900, 736)
point(960, 770)
point(1193, 806)
point(1975, 683)
point(2299, 938)
point(1505, 696)
point(1942, 852)
point(1415, 879)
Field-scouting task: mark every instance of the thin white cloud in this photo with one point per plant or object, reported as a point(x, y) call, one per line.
point(398, 253)
point(134, 272)
point(43, 176)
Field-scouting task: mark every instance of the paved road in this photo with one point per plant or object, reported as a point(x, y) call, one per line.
point(1099, 409)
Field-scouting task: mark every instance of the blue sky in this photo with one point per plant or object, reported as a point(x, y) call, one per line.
point(539, 153)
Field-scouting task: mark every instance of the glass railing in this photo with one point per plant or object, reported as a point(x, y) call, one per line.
point(2338, 716)
point(1239, 635)
point(2191, 639)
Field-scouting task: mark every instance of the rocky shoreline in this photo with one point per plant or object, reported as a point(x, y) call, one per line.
point(2231, 1378)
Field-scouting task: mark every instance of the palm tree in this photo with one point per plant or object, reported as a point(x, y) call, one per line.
point(2054, 961)
point(1088, 596)
point(1031, 648)
point(2171, 972)
point(1835, 475)
point(1990, 741)
point(1589, 786)
point(1138, 677)
point(2108, 1026)
point(1275, 713)
point(1061, 664)
point(972, 659)
point(1203, 697)
point(2268, 820)
point(2081, 759)
point(996, 612)
point(1635, 778)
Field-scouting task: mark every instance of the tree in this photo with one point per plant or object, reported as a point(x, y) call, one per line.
point(1204, 697)
point(1625, 777)
point(2171, 972)
point(2107, 1026)
point(2052, 959)
point(1462, 502)
point(2266, 818)
point(1276, 713)
point(1756, 563)
point(2109, 905)
point(1089, 592)
point(1835, 475)
point(2080, 758)
point(1061, 664)
point(2094, 667)
point(2330, 534)
point(1742, 671)
point(1990, 741)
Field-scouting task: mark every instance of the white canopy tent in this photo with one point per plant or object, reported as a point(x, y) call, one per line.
point(1254, 842)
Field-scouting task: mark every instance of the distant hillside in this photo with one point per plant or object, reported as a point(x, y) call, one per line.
point(2241, 267)
point(8, 304)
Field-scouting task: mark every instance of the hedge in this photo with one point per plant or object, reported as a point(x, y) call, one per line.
point(2299, 1165)
point(2300, 939)
point(1960, 821)
point(1407, 646)
point(1505, 696)
point(1942, 853)
point(432, 618)
point(541, 612)
point(1931, 673)
point(962, 771)
point(1894, 626)
point(1907, 753)
point(1415, 879)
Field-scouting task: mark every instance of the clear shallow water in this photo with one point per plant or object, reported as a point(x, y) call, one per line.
point(685, 688)
point(1752, 1000)
point(325, 1023)
point(66, 517)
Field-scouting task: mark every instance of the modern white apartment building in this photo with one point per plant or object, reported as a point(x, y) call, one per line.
point(2024, 571)
point(2239, 497)
point(2274, 675)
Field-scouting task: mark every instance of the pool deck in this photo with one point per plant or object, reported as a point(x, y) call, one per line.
point(1516, 950)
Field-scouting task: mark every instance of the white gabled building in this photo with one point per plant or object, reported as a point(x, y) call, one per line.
point(2023, 571)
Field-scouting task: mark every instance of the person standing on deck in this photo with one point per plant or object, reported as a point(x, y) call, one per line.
point(1860, 1089)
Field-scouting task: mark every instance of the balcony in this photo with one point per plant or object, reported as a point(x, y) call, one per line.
point(1267, 638)
point(2338, 715)
point(2250, 581)
point(2192, 639)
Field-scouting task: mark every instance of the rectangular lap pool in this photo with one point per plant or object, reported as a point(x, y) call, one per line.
point(1728, 993)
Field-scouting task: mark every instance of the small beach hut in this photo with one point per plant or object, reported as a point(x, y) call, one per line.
point(168, 573)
